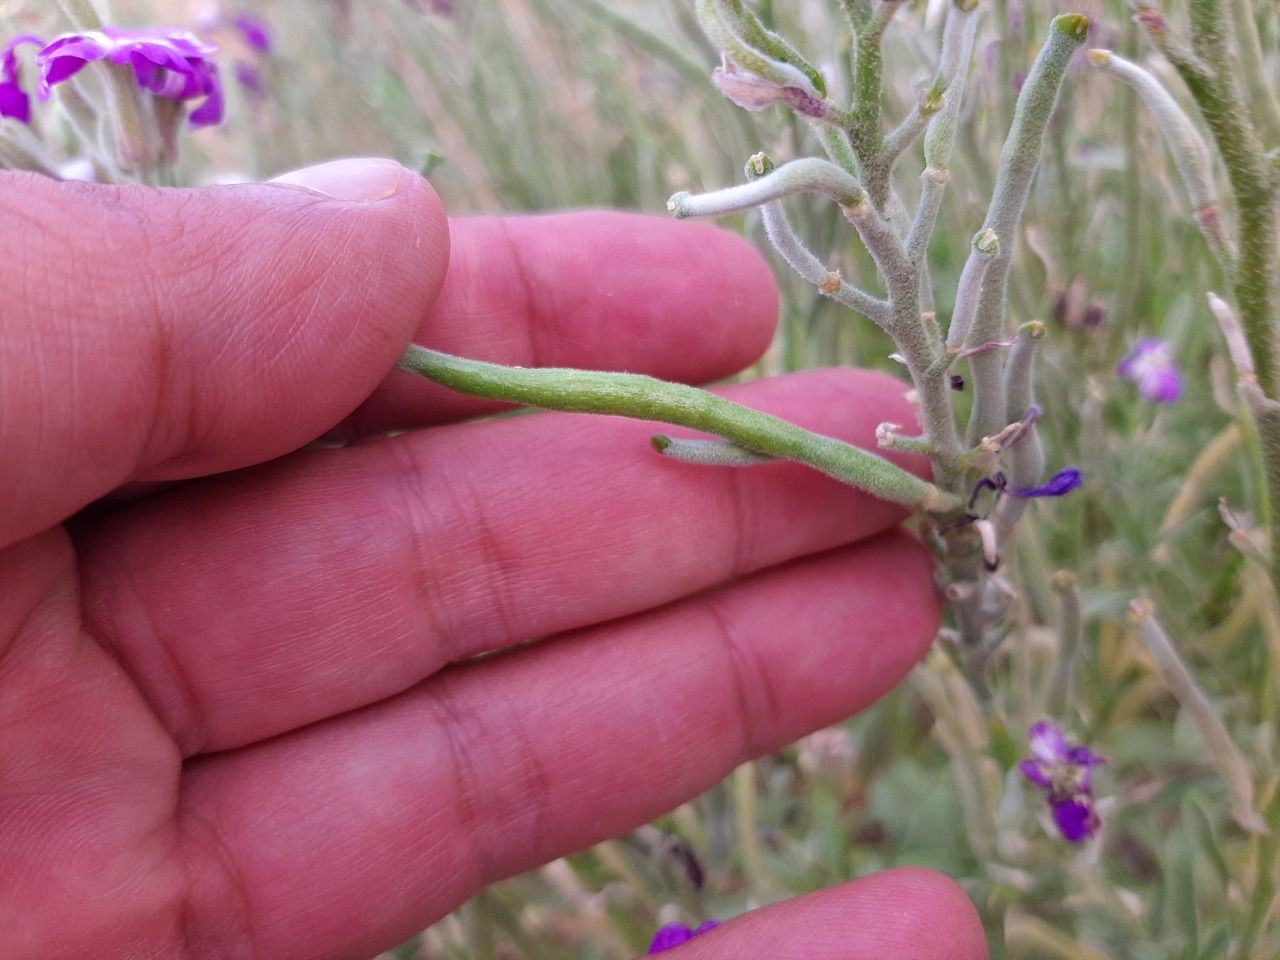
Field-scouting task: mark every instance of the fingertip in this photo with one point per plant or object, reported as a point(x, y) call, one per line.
point(591, 289)
point(314, 286)
point(605, 289)
point(739, 280)
point(922, 903)
point(907, 913)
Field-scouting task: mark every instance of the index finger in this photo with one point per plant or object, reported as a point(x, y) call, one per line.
point(594, 289)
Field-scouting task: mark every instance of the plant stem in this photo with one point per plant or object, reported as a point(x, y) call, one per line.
point(1218, 96)
point(1210, 73)
point(1018, 162)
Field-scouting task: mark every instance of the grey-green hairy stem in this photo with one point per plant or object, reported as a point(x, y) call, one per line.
point(1018, 162)
point(646, 398)
point(1213, 61)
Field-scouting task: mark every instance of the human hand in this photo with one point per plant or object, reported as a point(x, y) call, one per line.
point(237, 714)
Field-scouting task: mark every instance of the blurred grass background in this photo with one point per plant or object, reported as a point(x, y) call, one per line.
point(517, 105)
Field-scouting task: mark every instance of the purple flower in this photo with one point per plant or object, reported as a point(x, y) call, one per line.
point(169, 62)
point(674, 934)
point(1151, 365)
point(1064, 775)
point(754, 92)
point(254, 30)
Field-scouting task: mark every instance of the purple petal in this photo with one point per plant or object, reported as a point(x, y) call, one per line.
point(1142, 350)
point(1048, 744)
point(1035, 773)
point(210, 112)
point(9, 58)
point(674, 934)
point(66, 55)
point(171, 82)
point(753, 92)
point(181, 42)
point(1075, 819)
point(1085, 760)
point(1064, 481)
point(1161, 385)
point(14, 102)
point(1084, 757)
point(161, 69)
point(1151, 365)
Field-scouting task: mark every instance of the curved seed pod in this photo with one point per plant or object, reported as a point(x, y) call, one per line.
point(808, 175)
point(738, 51)
point(745, 24)
point(1190, 152)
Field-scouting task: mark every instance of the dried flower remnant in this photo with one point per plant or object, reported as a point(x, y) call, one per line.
point(1151, 365)
point(169, 62)
point(674, 934)
point(753, 92)
point(1064, 775)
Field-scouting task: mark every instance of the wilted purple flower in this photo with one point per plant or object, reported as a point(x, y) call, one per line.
point(1062, 482)
point(754, 92)
point(169, 62)
point(1064, 775)
point(674, 934)
point(1151, 365)
point(254, 30)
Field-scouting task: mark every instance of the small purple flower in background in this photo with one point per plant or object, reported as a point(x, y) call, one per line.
point(1064, 775)
point(1151, 365)
point(168, 62)
point(254, 30)
point(674, 934)
point(250, 77)
point(753, 92)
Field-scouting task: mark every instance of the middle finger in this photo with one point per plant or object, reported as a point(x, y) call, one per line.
point(254, 603)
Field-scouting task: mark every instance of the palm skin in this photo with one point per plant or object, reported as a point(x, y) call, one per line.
point(241, 713)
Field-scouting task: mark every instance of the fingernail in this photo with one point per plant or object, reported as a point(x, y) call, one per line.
point(357, 180)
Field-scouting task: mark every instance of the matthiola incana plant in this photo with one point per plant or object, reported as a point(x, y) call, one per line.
point(1097, 796)
point(153, 78)
point(989, 465)
point(985, 470)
